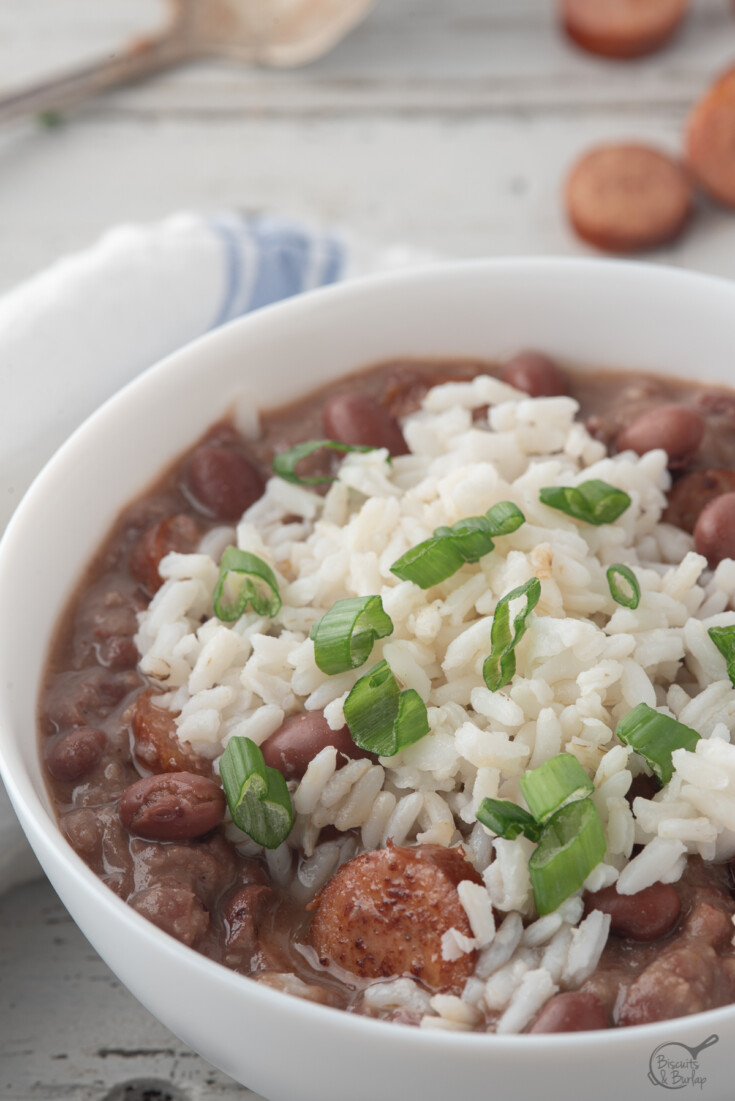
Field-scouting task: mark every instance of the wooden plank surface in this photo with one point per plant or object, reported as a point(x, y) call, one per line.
point(445, 125)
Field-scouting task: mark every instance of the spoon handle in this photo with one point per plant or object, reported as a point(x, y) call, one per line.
point(145, 56)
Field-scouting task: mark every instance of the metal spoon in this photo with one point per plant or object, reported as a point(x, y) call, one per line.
point(280, 33)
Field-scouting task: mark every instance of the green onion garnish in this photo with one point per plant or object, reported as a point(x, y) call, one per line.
point(553, 785)
point(655, 737)
point(256, 794)
point(500, 665)
point(629, 594)
point(344, 637)
point(507, 819)
point(448, 549)
point(284, 464)
point(380, 717)
point(572, 844)
point(245, 579)
point(594, 502)
point(724, 640)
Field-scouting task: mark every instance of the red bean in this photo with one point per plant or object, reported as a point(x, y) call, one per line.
point(572, 1011)
point(222, 481)
point(75, 754)
point(714, 531)
point(175, 806)
point(359, 419)
point(647, 915)
point(175, 533)
point(676, 429)
point(692, 492)
point(535, 374)
point(298, 740)
point(175, 909)
point(243, 914)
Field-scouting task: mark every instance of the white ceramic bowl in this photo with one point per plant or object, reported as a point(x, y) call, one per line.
point(593, 312)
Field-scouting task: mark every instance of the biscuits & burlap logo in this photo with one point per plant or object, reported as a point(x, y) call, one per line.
point(676, 1065)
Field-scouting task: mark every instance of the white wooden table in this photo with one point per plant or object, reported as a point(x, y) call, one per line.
point(445, 125)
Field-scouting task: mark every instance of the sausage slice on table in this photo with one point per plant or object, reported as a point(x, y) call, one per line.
point(622, 28)
point(384, 914)
point(625, 198)
point(710, 140)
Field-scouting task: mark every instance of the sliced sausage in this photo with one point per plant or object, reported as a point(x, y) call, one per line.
point(714, 531)
point(625, 198)
point(297, 741)
point(710, 140)
point(155, 744)
point(384, 913)
point(690, 493)
point(645, 916)
point(571, 1011)
point(676, 429)
point(622, 28)
point(222, 481)
point(358, 419)
point(75, 754)
point(174, 806)
point(175, 533)
point(534, 374)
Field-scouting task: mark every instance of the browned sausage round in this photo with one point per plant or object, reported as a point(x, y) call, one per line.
point(625, 198)
point(222, 481)
point(358, 419)
point(175, 806)
point(175, 533)
point(647, 915)
point(384, 913)
point(690, 493)
point(622, 28)
point(298, 740)
point(155, 744)
point(676, 429)
point(572, 1011)
point(75, 754)
point(710, 140)
point(535, 374)
point(714, 531)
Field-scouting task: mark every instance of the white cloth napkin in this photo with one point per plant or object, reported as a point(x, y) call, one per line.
point(76, 333)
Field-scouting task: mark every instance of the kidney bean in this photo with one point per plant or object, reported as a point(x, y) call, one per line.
point(645, 916)
point(222, 481)
point(175, 533)
point(676, 429)
point(243, 914)
point(690, 493)
point(175, 806)
point(175, 909)
point(714, 531)
point(298, 740)
point(75, 754)
point(572, 1011)
point(643, 787)
point(155, 744)
point(535, 374)
point(359, 419)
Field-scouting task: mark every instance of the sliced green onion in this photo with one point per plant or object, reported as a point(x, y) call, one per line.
point(448, 549)
point(553, 785)
point(507, 819)
point(594, 502)
point(256, 794)
point(629, 594)
point(724, 640)
point(655, 737)
point(245, 579)
point(572, 844)
point(344, 637)
point(380, 717)
point(500, 665)
point(284, 464)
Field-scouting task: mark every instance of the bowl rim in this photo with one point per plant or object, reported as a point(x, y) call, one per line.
point(43, 830)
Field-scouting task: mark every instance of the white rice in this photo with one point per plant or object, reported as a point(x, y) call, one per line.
point(582, 665)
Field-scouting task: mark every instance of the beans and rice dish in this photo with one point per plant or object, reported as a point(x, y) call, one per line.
point(466, 678)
